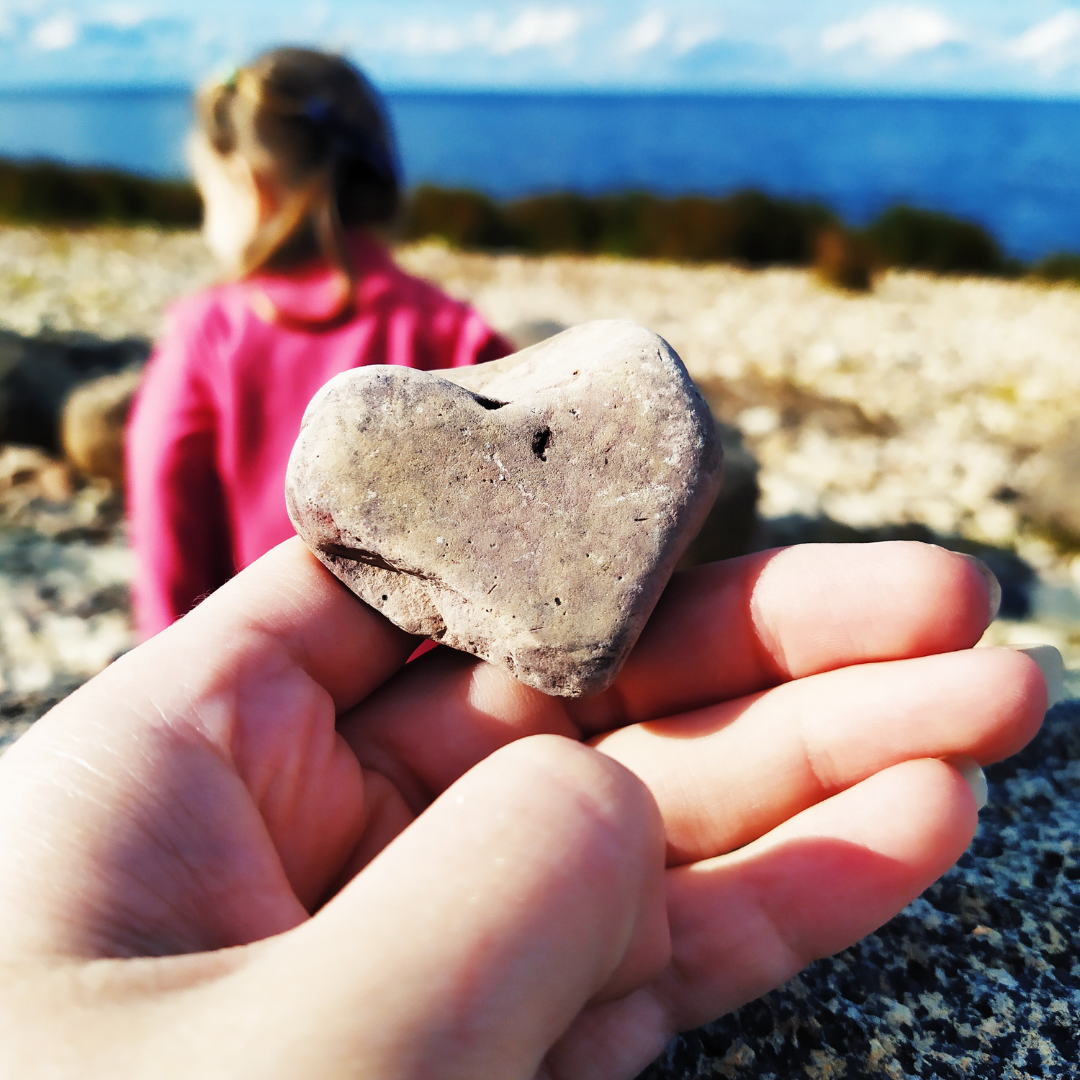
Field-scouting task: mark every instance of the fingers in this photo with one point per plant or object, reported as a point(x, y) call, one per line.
point(736, 627)
point(745, 923)
point(533, 886)
point(721, 631)
point(443, 715)
point(725, 775)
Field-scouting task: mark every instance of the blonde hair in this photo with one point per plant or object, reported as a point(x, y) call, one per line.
point(314, 123)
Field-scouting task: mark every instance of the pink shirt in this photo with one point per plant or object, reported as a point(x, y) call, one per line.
point(221, 404)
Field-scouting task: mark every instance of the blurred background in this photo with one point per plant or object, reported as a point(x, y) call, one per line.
point(858, 224)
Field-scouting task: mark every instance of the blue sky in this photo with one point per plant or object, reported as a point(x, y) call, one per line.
point(1012, 47)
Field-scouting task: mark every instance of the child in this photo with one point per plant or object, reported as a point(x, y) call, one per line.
point(294, 160)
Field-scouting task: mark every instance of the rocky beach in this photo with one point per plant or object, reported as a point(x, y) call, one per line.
point(941, 409)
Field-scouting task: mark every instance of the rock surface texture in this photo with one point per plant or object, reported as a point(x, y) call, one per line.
point(528, 511)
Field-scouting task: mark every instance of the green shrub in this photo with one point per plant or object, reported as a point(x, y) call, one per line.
point(845, 260)
point(1061, 266)
point(765, 230)
point(690, 229)
point(47, 193)
point(747, 227)
point(924, 240)
point(464, 219)
point(550, 223)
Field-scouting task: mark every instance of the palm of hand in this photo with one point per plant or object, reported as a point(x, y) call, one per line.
point(782, 711)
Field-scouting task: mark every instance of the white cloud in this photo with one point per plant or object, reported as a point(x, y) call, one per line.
point(691, 36)
point(123, 16)
point(59, 32)
point(533, 28)
point(646, 33)
point(421, 38)
point(1048, 44)
point(893, 32)
point(682, 37)
point(537, 28)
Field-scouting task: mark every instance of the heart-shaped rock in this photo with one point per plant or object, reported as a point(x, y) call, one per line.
point(529, 511)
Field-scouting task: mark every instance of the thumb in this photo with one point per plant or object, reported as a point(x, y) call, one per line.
point(532, 887)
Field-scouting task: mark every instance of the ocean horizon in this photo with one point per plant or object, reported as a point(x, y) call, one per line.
point(1010, 164)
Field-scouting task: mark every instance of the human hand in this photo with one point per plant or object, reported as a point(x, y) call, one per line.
point(504, 884)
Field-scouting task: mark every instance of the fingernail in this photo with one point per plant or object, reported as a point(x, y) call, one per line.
point(993, 586)
point(1051, 665)
point(972, 772)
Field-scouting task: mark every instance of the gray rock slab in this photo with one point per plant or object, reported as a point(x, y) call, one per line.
point(529, 511)
point(37, 374)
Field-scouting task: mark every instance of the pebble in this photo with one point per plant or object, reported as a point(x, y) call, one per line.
point(528, 511)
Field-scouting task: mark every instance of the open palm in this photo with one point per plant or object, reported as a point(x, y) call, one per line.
point(261, 845)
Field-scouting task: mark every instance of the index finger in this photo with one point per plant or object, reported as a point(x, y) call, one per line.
point(288, 600)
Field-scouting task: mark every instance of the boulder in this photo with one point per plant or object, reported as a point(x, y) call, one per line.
point(1047, 489)
point(28, 473)
point(37, 375)
point(93, 425)
point(531, 332)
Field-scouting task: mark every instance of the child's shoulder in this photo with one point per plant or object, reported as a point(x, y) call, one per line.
point(209, 313)
point(383, 282)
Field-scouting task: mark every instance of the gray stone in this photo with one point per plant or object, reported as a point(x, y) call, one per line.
point(1047, 489)
point(37, 374)
point(94, 422)
point(529, 511)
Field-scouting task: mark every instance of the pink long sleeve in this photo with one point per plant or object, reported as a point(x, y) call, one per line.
point(176, 505)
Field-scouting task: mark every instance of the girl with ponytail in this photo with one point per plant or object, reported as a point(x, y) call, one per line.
point(296, 165)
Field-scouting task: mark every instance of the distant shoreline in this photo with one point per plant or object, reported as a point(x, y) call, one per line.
point(583, 93)
point(747, 227)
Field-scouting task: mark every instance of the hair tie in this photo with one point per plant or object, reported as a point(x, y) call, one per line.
point(320, 111)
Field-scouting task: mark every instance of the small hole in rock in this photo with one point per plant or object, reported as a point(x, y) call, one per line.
point(558, 602)
point(489, 403)
point(385, 598)
point(541, 442)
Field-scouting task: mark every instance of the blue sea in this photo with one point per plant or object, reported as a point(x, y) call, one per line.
point(1013, 166)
